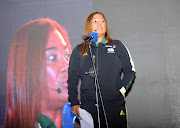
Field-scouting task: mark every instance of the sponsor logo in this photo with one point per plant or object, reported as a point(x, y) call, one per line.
point(85, 54)
point(110, 50)
point(122, 113)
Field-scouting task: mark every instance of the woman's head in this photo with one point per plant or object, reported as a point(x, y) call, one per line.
point(90, 21)
point(28, 80)
point(91, 25)
point(98, 25)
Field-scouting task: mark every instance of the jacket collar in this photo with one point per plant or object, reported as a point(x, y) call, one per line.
point(94, 44)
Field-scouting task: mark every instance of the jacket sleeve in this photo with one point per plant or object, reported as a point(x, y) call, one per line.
point(73, 76)
point(128, 68)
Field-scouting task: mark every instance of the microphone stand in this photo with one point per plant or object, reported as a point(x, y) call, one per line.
point(97, 88)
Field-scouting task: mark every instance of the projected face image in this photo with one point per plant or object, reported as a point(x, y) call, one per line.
point(37, 68)
point(57, 62)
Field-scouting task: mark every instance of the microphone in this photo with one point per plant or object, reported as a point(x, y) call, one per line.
point(57, 90)
point(87, 37)
point(92, 37)
point(91, 72)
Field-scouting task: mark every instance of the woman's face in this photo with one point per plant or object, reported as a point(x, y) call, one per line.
point(57, 62)
point(99, 24)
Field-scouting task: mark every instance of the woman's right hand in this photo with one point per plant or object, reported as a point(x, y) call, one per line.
point(75, 110)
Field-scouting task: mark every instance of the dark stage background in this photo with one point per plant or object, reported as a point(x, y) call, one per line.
point(150, 30)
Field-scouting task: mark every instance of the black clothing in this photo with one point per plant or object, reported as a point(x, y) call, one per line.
point(115, 113)
point(110, 66)
point(115, 70)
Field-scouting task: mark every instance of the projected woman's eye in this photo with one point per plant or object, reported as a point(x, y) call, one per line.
point(52, 58)
point(52, 55)
point(67, 57)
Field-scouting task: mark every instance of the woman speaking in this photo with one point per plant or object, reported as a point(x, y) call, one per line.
point(106, 71)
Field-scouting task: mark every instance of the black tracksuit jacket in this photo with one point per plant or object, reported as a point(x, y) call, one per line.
point(115, 70)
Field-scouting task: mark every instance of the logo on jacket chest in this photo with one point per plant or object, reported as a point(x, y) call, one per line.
point(110, 48)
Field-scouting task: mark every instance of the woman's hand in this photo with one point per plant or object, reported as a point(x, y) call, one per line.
point(75, 110)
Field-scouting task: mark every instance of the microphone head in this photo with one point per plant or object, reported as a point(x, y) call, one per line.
point(59, 90)
point(95, 36)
